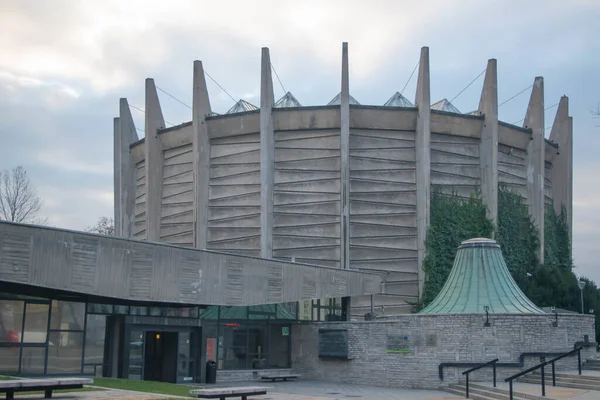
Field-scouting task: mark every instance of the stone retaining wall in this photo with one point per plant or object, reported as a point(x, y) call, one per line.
point(246, 375)
point(406, 351)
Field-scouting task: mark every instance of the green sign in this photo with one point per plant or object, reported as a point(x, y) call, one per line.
point(285, 331)
point(397, 344)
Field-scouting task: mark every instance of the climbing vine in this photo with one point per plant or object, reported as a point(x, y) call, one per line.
point(452, 220)
point(517, 235)
point(557, 248)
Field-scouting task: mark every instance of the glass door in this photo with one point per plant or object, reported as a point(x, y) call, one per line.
point(186, 357)
point(136, 354)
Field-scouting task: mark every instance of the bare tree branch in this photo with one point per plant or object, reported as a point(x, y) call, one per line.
point(105, 226)
point(19, 200)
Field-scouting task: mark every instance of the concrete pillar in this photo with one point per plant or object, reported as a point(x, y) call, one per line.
point(423, 159)
point(569, 148)
point(267, 155)
point(127, 175)
point(345, 161)
point(488, 151)
point(154, 162)
point(536, 157)
point(201, 143)
point(562, 167)
point(117, 176)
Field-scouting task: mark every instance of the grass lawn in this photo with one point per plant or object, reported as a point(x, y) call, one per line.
point(145, 386)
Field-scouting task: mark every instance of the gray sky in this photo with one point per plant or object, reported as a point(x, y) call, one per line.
point(64, 65)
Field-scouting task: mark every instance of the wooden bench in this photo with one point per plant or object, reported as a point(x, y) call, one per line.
point(223, 393)
point(283, 377)
point(47, 385)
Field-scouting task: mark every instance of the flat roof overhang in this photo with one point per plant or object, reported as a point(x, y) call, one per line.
point(138, 271)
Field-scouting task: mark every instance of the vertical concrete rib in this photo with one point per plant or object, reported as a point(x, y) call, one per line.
point(267, 155)
point(536, 156)
point(127, 175)
point(154, 162)
point(423, 158)
point(488, 160)
point(562, 166)
point(345, 161)
point(569, 196)
point(117, 176)
point(201, 143)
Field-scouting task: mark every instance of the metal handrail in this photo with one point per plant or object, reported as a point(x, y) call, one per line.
point(555, 359)
point(467, 372)
point(519, 364)
point(520, 374)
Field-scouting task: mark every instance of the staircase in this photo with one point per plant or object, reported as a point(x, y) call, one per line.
point(591, 365)
point(481, 392)
point(575, 381)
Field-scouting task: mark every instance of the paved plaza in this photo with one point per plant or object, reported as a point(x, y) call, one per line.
point(319, 390)
point(301, 390)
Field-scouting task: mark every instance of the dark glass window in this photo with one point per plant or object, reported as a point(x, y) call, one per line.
point(11, 320)
point(122, 310)
point(9, 360)
point(138, 310)
point(64, 352)
point(36, 323)
point(94, 308)
point(252, 345)
point(136, 355)
point(279, 347)
point(67, 315)
point(94, 341)
point(32, 361)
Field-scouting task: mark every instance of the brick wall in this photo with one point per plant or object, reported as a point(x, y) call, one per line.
point(429, 340)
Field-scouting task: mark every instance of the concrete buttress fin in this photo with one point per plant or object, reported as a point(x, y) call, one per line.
point(534, 120)
point(267, 155)
point(128, 135)
point(201, 150)
point(423, 159)
point(154, 162)
point(488, 160)
point(345, 160)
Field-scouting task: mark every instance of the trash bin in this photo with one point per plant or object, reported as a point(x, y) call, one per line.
point(211, 371)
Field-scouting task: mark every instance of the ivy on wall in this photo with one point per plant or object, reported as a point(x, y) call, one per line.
point(557, 247)
point(517, 235)
point(454, 219)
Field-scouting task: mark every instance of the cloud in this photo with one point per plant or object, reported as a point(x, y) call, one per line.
point(65, 65)
point(69, 208)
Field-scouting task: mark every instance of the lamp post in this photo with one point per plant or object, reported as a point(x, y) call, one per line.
point(581, 285)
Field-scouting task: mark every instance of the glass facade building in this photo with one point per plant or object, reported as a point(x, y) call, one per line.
point(47, 336)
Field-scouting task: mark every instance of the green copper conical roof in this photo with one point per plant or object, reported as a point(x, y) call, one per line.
point(480, 278)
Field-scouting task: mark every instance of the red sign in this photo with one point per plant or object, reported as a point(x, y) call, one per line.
point(210, 348)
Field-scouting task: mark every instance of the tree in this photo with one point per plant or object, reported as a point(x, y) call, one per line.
point(104, 226)
point(19, 200)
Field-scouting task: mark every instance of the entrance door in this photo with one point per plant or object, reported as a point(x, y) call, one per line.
point(160, 356)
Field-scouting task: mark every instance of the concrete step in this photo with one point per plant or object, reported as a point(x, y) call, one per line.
point(566, 380)
point(477, 391)
point(593, 362)
point(593, 367)
point(566, 385)
point(570, 377)
point(461, 393)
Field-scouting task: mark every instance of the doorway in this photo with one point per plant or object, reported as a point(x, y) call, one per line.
point(160, 356)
